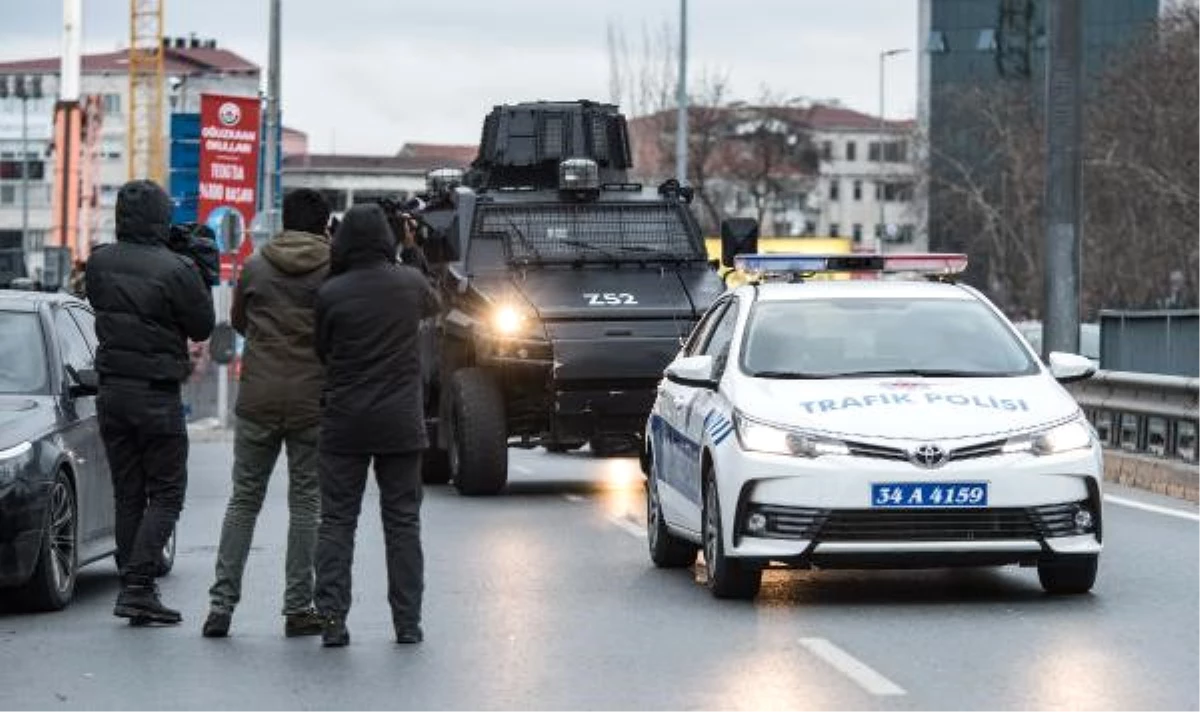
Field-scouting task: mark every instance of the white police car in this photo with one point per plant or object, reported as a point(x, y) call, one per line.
point(869, 424)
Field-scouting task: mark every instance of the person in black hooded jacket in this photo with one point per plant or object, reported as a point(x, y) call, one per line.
point(148, 301)
point(367, 318)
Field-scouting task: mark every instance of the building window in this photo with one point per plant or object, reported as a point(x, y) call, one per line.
point(112, 104)
point(834, 193)
point(856, 232)
point(827, 151)
point(851, 151)
point(858, 190)
point(986, 41)
point(834, 230)
point(895, 152)
point(936, 42)
point(810, 227)
point(12, 169)
point(873, 151)
point(783, 227)
point(8, 195)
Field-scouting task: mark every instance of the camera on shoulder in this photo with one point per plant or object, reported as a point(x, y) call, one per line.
point(198, 243)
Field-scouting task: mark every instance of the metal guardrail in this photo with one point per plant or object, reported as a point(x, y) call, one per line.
point(1143, 413)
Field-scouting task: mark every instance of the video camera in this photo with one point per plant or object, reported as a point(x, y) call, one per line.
point(199, 243)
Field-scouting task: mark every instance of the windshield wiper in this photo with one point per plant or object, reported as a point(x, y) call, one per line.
point(792, 375)
point(525, 243)
point(589, 246)
point(926, 372)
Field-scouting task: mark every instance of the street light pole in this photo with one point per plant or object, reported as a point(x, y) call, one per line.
point(681, 133)
point(25, 170)
point(271, 167)
point(879, 183)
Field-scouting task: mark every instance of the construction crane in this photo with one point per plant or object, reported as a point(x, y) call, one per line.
point(145, 136)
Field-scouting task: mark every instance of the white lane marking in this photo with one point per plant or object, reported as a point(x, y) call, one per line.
point(852, 667)
point(628, 527)
point(520, 469)
point(572, 498)
point(1134, 504)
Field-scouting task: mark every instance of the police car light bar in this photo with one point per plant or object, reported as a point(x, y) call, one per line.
point(784, 265)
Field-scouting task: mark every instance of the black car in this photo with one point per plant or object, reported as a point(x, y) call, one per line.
point(56, 497)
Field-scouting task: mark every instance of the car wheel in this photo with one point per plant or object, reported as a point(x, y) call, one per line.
point(479, 434)
point(165, 561)
point(53, 582)
point(725, 577)
point(667, 551)
point(612, 446)
point(435, 466)
point(1069, 574)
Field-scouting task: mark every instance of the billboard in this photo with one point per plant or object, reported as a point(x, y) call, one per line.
point(228, 180)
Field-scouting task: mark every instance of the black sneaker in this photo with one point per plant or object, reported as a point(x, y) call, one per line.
point(307, 622)
point(217, 624)
point(139, 602)
point(409, 635)
point(334, 633)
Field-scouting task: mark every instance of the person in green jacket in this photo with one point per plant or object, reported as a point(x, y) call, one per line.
point(278, 405)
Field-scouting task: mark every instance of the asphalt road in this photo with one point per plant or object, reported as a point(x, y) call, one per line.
point(544, 598)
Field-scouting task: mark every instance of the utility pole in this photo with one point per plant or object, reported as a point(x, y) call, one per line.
point(271, 158)
point(24, 95)
point(880, 192)
point(1064, 33)
point(681, 133)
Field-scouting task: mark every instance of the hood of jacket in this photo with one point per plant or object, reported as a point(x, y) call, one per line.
point(363, 239)
point(143, 213)
point(293, 252)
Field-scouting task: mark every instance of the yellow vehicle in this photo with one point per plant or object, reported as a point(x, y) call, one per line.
point(790, 245)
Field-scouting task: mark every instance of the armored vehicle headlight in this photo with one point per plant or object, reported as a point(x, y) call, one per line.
point(578, 174)
point(508, 321)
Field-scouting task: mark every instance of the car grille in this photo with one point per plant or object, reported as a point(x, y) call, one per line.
point(884, 452)
point(1027, 523)
point(927, 525)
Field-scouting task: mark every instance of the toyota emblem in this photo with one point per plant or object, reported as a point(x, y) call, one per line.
point(928, 456)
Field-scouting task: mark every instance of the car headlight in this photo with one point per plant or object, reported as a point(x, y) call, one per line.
point(14, 459)
point(1074, 435)
point(761, 437)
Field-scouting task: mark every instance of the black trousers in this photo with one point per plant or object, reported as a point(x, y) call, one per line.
point(145, 437)
point(343, 480)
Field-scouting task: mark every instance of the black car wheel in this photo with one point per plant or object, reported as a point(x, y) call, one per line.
point(479, 434)
point(1069, 574)
point(53, 582)
point(725, 577)
point(667, 551)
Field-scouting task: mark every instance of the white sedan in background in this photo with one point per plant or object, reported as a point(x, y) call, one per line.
point(869, 424)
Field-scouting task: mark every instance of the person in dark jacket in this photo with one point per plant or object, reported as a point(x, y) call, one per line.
point(148, 301)
point(367, 320)
point(278, 404)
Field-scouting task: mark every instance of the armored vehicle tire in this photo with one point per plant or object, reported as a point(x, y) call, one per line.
point(435, 466)
point(560, 446)
point(478, 434)
point(613, 446)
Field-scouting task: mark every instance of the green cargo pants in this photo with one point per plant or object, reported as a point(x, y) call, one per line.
point(256, 448)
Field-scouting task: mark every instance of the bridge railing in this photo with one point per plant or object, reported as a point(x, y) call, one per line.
point(1143, 413)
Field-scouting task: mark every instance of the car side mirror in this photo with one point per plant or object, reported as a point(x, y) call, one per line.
point(1067, 368)
point(692, 371)
point(82, 382)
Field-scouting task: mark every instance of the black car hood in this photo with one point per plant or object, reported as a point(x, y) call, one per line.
point(632, 293)
point(24, 418)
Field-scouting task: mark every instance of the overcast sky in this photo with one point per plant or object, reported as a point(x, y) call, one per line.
point(365, 76)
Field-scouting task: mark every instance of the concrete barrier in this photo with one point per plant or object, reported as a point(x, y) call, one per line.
point(1168, 477)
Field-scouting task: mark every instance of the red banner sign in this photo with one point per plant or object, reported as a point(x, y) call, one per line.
point(229, 141)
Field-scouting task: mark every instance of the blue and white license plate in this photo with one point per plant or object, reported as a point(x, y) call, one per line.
point(929, 494)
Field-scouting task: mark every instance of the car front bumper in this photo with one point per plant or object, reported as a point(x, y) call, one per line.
point(822, 513)
point(22, 511)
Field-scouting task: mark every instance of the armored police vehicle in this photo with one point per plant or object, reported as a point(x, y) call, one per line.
point(566, 288)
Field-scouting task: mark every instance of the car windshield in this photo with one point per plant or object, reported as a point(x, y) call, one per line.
point(847, 338)
point(22, 354)
point(591, 232)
